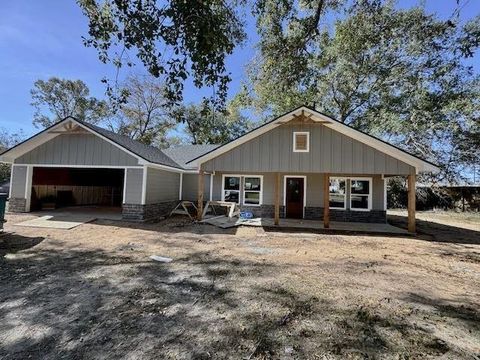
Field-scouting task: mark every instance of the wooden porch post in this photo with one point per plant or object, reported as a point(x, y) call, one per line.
point(200, 194)
point(277, 199)
point(411, 202)
point(326, 201)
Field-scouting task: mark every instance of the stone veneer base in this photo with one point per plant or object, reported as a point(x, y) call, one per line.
point(147, 212)
point(17, 204)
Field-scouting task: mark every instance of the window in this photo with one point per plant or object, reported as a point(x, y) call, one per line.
point(361, 194)
point(231, 189)
point(301, 141)
point(252, 190)
point(337, 193)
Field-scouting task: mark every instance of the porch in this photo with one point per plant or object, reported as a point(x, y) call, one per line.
point(346, 202)
point(225, 222)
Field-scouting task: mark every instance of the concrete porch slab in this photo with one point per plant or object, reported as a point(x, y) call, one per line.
point(358, 227)
point(56, 222)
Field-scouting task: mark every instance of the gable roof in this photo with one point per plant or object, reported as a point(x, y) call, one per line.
point(420, 165)
point(175, 158)
point(147, 152)
point(182, 154)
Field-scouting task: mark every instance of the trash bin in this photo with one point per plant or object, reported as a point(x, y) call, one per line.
point(3, 202)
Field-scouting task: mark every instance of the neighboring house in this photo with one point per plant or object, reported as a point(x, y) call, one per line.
point(294, 166)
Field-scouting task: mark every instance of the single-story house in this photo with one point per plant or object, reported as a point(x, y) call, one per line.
point(302, 164)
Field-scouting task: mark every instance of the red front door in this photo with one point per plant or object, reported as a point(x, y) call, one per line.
point(295, 188)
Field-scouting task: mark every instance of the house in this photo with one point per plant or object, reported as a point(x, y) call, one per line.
point(302, 164)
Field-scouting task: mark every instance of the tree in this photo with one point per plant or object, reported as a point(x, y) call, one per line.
point(175, 39)
point(56, 98)
point(395, 73)
point(8, 140)
point(145, 115)
point(205, 126)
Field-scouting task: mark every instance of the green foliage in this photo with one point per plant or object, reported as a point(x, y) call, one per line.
point(145, 115)
point(176, 39)
point(395, 73)
point(56, 98)
point(8, 140)
point(206, 126)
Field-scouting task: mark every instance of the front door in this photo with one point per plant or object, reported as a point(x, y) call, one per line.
point(295, 188)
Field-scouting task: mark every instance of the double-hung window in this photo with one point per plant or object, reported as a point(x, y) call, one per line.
point(231, 189)
point(337, 193)
point(252, 190)
point(360, 194)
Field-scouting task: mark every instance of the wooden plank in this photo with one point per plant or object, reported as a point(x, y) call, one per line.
point(277, 199)
point(411, 202)
point(326, 201)
point(200, 195)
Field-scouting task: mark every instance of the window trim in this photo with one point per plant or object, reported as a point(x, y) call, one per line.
point(239, 186)
point(295, 133)
point(370, 193)
point(260, 200)
point(344, 195)
point(241, 191)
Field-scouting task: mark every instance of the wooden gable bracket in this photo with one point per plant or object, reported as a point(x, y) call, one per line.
point(70, 128)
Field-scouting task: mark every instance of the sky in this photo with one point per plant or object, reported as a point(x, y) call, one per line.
point(41, 39)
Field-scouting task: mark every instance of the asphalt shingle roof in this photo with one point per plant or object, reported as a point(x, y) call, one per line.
point(147, 152)
point(174, 157)
point(184, 153)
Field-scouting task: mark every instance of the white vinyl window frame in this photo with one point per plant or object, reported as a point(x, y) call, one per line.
point(239, 191)
point(295, 133)
point(369, 195)
point(344, 195)
point(260, 196)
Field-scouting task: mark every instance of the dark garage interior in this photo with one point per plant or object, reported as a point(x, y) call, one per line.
point(62, 187)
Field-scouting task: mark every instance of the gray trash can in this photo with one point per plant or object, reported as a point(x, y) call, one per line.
point(3, 202)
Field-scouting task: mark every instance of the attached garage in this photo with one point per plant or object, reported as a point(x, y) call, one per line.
point(76, 187)
point(77, 164)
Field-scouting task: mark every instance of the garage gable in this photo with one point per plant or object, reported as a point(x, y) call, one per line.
point(77, 149)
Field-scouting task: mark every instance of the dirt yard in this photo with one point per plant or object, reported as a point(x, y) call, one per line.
point(93, 292)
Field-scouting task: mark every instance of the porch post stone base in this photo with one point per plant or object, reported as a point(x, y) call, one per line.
point(147, 212)
point(17, 205)
point(372, 216)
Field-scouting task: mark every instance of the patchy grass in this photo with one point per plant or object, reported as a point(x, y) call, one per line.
point(93, 292)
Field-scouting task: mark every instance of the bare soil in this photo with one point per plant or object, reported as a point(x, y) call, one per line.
point(246, 293)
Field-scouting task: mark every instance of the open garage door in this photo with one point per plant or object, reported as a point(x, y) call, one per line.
point(62, 187)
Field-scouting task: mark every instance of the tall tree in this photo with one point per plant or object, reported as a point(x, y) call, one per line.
point(395, 73)
point(206, 126)
point(145, 115)
point(56, 98)
point(8, 140)
point(175, 39)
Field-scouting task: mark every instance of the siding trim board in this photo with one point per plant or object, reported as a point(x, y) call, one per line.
point(420, 165)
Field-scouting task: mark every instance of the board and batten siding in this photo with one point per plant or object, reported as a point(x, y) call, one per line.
point(19, 181)
point(133, 186)
point(162, 186)
point(77, 149)
point(330, 152)
point(190, 187)
point(314, 188)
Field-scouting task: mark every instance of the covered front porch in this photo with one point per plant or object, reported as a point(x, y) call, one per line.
point(225, 222)
point(305, 200)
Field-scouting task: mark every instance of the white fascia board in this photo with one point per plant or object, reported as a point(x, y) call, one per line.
point(420, 165)
point(243, 139)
